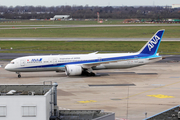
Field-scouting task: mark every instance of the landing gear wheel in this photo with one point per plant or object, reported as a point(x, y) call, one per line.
point(92, 74)
point(19, 76)
point(85, 73)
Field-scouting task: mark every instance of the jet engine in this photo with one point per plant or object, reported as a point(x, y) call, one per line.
point(73, 70)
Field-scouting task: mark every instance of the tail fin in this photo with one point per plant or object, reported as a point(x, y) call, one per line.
point(152, 45)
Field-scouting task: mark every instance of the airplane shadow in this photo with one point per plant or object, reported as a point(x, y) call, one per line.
point(123, 73)
point(98, 74)
point(43, 76)
point(101, 74)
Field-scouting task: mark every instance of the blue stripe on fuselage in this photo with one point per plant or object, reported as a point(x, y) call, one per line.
point(138, 56)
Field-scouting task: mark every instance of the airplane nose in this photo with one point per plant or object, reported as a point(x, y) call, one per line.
point(9, 67)
point(6, 67)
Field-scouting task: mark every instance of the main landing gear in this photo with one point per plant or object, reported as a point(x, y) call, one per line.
point(19, 75)
point(87, 73)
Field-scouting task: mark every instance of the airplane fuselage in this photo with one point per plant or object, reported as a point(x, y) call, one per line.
point(58, 62)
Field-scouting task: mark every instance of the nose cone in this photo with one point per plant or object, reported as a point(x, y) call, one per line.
point(7, 67)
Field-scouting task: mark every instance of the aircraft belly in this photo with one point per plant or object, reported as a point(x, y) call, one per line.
point(47, 69)
point(37, 69)
point(121, 65)
point(118, 65)
point(26, 70)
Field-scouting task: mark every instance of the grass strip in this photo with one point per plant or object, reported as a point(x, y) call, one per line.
point(94, 32)
point(57, 47)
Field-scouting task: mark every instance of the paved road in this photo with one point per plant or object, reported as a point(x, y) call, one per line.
point(84, 39)
point(100, 25)
point(69, 26)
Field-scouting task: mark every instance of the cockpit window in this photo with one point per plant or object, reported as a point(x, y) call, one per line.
point(11, 62)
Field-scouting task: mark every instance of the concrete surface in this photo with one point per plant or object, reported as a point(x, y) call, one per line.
point(156, 88)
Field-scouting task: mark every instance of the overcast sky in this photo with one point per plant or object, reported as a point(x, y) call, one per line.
point(88, 2)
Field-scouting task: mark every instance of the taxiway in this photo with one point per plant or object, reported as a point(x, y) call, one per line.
point(130, 93)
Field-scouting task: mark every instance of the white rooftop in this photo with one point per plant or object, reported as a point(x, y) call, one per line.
point(24, 89)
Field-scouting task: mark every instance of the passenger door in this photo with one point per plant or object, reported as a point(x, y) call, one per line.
point(55, 61)
point(22, 62)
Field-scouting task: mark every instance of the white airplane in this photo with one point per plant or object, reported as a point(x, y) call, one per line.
point(83, 64)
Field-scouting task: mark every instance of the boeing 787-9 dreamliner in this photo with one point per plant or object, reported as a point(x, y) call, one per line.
point(79, 64)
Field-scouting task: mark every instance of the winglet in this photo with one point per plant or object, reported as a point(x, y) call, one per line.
point(152, 45)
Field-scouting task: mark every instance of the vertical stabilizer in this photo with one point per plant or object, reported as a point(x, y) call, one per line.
point(152, 45)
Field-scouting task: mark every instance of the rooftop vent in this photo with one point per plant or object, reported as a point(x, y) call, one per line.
point(11, 92)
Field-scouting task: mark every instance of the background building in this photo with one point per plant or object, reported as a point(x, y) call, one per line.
point(59, 17)
point(175, 5)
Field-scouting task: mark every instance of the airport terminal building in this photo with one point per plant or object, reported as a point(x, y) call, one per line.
point(30, 102)
point(39, 102)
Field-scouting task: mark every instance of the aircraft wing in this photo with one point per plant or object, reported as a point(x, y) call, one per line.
point(89, 65)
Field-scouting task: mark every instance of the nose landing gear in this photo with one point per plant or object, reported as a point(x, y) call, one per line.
point(19, 75)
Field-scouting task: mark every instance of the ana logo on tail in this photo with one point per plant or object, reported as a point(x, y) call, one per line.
point(153, 42)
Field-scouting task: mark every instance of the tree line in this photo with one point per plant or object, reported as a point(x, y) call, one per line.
point(89, 12)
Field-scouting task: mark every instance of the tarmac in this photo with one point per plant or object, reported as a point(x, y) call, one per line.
point(130, 93)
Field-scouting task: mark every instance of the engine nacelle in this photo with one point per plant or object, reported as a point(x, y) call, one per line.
point(73, 70)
